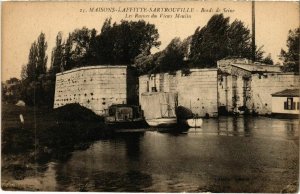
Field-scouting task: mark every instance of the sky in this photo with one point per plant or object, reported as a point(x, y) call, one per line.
point(22, 22)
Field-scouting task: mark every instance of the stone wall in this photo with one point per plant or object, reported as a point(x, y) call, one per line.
point(197, 90)
point(254, 92)
point(263, 86)
point(94, 87)
point(232, 89)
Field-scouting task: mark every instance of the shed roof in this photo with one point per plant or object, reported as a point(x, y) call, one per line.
point(287, 93)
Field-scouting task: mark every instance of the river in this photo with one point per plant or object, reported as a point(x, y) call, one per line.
point(253, 154)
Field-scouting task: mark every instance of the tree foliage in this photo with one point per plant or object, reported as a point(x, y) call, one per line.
point(290, 57)
point(121, 43)
point(172, 57)
point(57, 55)
point(77, 50)
point(37, 59)
point(219, 39)
point(41, 66)
point(268, 60)
point(116, 44)
point(145, 63)
point(34, 73)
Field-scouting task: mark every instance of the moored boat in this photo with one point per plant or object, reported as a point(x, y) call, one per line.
point(194, 122)
point(125, 116)
point(187, 118)
point(159, 108)
point(162, 122)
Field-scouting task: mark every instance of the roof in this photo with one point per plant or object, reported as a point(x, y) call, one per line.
point(287, 93)
point(258, 67)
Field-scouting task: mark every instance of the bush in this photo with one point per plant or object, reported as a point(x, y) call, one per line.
point(17, 140)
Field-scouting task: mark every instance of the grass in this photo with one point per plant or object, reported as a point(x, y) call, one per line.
point(45, 135)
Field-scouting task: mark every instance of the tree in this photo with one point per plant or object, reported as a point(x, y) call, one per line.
point(239, 40)
point(37, 59)
point(290, 57)
point(116, 44)
point(121, 43)
point(219, 39)
point(24, 73)
point(268, 60)
point(209, 44)
point(80, 49)
point(67, 61)
point(34, 72)
point(172, 57)
point(105, 43)
point(11, 90)
point(80, 46)
point(32, 63)
point(41, 66)
point(146, 63)
point(57, 55)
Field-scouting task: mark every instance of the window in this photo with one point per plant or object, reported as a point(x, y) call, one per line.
point(147, 86)
point(153, 89)
point(289, 104)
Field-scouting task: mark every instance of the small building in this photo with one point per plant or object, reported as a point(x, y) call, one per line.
point(96, 87)
point(286, 103)
point(244, 86)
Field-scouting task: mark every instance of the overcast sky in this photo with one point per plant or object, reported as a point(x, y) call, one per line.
point(22, 22)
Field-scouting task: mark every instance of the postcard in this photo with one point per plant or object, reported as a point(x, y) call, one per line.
point(150, 96)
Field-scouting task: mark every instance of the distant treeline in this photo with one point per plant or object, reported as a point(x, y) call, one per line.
point(130, 43)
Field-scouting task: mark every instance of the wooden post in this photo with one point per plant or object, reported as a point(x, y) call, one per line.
point(253, 31)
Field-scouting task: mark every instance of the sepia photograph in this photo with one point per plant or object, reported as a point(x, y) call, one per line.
point(150, 96)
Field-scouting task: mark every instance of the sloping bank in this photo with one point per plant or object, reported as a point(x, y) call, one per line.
point(45, 135)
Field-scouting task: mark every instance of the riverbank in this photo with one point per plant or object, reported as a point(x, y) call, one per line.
point(45, 135)
point(228, 154)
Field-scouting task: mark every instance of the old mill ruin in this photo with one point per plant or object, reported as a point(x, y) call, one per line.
point(236, 85)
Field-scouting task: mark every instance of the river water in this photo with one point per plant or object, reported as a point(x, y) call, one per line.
point(226, 155)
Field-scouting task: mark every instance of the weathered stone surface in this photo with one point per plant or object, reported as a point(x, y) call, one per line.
point(94, 87)
point(197, 91)
point(251, 85)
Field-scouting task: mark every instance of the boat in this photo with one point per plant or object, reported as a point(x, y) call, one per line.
point(194, 122)
point(187, 118)
point(124, 116)
point(164, 109)
point(162, 122)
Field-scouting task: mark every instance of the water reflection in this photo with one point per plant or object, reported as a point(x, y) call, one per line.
point(290, 129)
point(132, 143)
point(236, 126)
point(242, 154)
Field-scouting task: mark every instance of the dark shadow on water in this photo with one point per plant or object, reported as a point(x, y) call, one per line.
point(174, 131)
point(132, 144)
point(132, 181)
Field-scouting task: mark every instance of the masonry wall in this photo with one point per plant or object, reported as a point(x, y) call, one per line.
point(264, 85)
point(231, 92)
point(94, 87)
point(254, 91)
point(197, 90)
point(225, 91)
